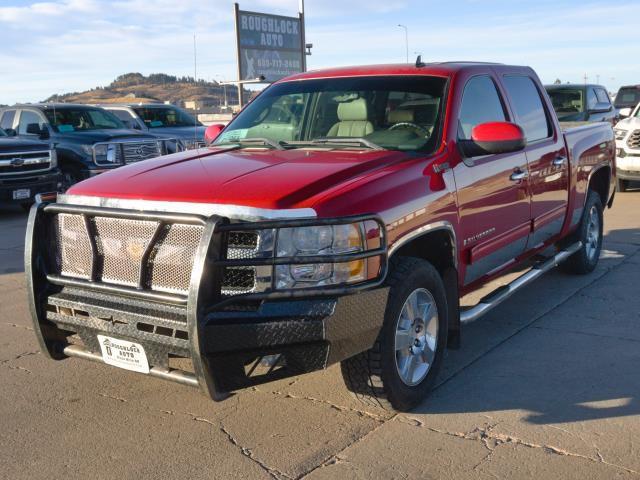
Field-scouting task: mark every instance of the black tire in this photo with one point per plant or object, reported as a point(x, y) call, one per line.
point(585, 260)
point(622, 185)
point(373, 376)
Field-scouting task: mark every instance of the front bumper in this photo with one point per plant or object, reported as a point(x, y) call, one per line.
point(40, 183)
point(231, 342)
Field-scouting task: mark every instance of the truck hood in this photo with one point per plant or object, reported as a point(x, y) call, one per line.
point(13, 144)
point(179, 132)
point(630, 123)
point(255, 178)
point(93, 136)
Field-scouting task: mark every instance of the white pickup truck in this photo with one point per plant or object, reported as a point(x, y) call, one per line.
point(627, 133)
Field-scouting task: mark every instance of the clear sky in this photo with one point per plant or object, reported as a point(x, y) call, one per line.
point(73, 45)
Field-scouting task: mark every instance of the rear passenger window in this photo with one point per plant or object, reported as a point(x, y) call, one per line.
point(528, 107)
point(480, 104)
point(7, 119)
point(603, 96)
point(123, 115)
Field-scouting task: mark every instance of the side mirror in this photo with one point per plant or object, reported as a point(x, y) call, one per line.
point(602, 108)
point(212, 132)
point(34, 129)
point(494, 138)
point(624, 112)
point(11, 132)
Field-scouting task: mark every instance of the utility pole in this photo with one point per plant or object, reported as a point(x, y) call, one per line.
point(406, 39)
point(586, 78)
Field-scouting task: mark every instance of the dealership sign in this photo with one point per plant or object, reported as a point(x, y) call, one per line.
point(271, 46)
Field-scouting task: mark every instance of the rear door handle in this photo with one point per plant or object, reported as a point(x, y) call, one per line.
point(559, 161)
point(519, 175)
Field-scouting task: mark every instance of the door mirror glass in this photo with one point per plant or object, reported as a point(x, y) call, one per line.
point(493, 138)
point(212, 132)
point(11, 132)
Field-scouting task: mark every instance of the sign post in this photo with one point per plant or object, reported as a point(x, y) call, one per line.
point(269, 46)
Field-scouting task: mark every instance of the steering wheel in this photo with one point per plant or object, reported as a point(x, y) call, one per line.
point(420, 130)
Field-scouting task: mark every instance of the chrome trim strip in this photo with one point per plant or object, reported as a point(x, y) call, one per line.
point(430, 227)
point(234, 212)
point(27, 152)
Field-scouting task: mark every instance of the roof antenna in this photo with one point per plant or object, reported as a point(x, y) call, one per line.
point(419, 62)
point(195, 104)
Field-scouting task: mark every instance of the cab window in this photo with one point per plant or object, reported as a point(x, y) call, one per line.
point(480, 104)
point(28, 117)
point(529, 109)
point(7, 119)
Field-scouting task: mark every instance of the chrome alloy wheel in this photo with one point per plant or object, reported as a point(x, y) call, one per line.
point(416, 336)
point(593, 233)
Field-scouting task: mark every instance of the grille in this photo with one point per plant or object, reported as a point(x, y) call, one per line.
point(634, 139)
point(121, 245)
point(136, 152)
point(22, 162)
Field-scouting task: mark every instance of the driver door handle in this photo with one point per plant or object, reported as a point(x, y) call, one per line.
point(559, 161)
point(519, 175)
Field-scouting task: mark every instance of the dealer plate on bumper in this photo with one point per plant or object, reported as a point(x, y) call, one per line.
point(123, 354)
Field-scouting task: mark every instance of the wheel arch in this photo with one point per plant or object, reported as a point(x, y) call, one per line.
point(436, 243)
point(600, 182)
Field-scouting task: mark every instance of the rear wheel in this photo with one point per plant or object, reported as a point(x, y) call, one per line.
point(622, 185)
point(400, 369)
point(590, 234)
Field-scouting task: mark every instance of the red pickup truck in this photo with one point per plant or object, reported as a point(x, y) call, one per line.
point(338, 218)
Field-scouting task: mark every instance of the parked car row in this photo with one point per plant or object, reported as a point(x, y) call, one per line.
point(591, 103)
point(81, 141)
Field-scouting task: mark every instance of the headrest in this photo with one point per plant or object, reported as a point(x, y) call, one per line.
point(356, 110)
point(400, 116)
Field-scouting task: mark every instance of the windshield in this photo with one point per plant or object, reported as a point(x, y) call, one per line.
point(158, 117)
point(66, 119)
point(627, 97)
point(566, 101)
point(394, 112)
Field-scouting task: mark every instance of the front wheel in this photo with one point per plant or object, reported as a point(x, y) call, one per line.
point(400, 369)
point(590, 234)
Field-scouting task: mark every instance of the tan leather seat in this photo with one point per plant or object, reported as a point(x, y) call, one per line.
point(354, 120)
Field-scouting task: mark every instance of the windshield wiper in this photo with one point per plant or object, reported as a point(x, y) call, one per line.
point(252, 142)
point(346, 141)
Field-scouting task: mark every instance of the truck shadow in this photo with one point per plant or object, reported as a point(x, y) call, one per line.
point(578, 361)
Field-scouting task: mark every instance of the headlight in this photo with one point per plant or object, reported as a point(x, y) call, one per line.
point(619, 133)
point(331, 241)
point(53, 158)
point(106, 153)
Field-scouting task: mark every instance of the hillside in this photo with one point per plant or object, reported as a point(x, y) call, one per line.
point(157, 87)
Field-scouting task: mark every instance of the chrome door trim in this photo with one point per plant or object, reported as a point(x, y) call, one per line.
point(239, 212)
point(425, 229)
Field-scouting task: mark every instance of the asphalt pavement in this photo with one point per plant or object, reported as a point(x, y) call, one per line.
point(545, 386)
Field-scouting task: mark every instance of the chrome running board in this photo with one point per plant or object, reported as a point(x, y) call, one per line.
point(175, 375)
point(500, 294)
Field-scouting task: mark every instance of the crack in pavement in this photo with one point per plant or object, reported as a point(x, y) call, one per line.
point(591, 334)
point(19, 356)
point(340, 408)
point(112, 397)
point(247, 452)
point(492, 440)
